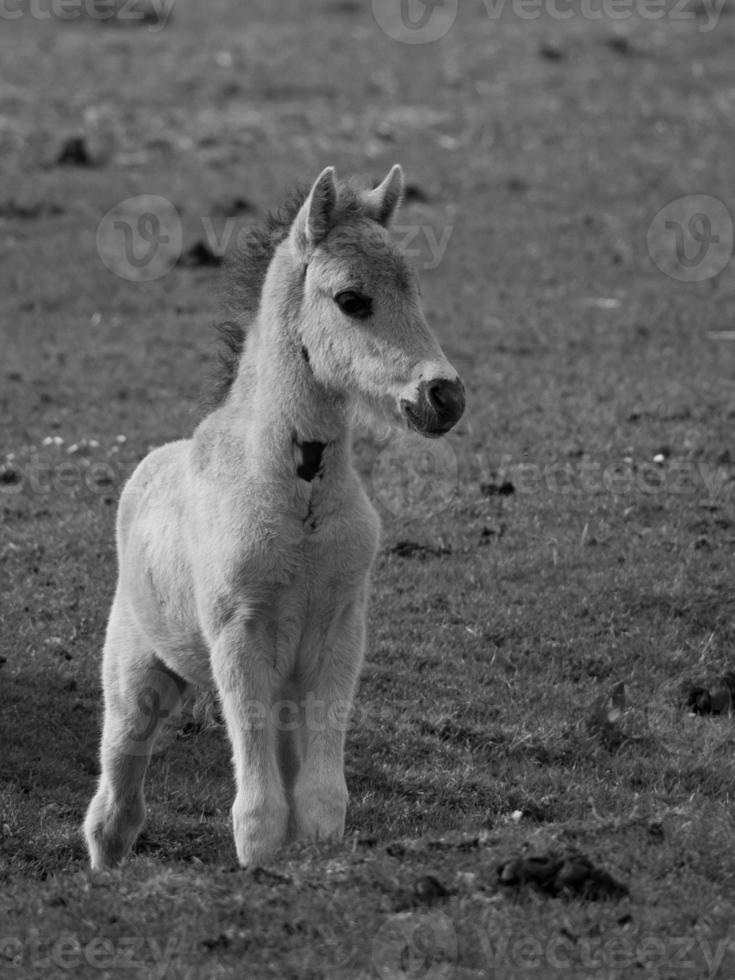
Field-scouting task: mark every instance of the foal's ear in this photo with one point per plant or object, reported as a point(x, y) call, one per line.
point(385, 198)
point(315, 218)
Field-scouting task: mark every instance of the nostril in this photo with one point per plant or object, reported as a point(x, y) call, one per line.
point(446, 398)
point(439, 405)
point(437, 394)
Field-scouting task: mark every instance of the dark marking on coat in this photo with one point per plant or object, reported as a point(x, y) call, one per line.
point(311, 459)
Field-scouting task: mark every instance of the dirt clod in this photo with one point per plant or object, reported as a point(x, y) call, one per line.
point(503, 489)
point(716, 699)
point(75, 153)
point(619, 44)
point(414, 194)
point(428, 890)
point(200, 255)
point(412, 549)
point(571, 875)
point(551, 51)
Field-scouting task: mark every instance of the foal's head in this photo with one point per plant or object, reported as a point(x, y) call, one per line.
point(360, 320)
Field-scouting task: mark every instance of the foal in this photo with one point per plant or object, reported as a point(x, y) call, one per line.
point(245, 552)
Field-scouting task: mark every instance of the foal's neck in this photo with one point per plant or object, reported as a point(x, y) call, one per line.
point(288, 418)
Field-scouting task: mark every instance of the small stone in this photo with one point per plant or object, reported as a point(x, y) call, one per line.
point(504, 489)
point(698, 700)
point(720, 698)
point(200, 254)
point(551, 51)
point(429, 890)
point(75, 153)
point(619, 43)
point(9, 476)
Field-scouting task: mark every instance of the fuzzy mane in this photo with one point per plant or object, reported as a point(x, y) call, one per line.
point(245, 269)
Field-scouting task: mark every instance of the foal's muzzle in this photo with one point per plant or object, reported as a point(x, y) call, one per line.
point(438, 406)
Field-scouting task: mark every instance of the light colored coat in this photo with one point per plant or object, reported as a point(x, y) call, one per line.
point(245, 552)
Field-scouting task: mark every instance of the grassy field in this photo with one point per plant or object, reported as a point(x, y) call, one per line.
point(574, 533)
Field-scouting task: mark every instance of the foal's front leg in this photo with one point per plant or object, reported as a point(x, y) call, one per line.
point(327, 690)
point(243, 661)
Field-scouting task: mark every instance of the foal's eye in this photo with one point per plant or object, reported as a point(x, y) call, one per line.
point(354, 304)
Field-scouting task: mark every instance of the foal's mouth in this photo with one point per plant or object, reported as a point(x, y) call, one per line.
point(438, 408)
point(417, 421)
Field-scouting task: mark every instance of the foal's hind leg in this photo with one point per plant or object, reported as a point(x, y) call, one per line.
point(140, 693)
